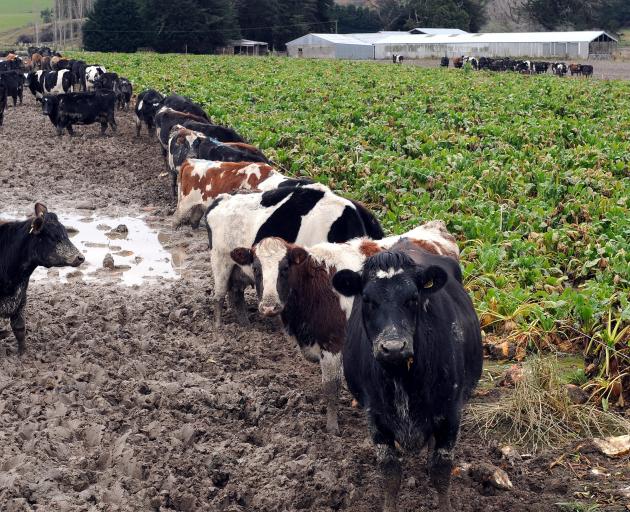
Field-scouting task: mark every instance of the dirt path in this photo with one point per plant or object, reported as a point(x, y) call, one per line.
point(128, 399)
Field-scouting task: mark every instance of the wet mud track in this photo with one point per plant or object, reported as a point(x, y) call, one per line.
point(128, 399)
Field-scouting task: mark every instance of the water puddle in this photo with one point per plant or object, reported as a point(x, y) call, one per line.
point(139, 251)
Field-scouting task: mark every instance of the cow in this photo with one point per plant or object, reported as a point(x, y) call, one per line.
point(183, 104)
point(165, 119)
point(587, 70)
point(34, 81)
point(200, 181)
point(444, 62)
point(295, 283)
point(24, 246)
point(398, 59)
point(559, 69)
point(91, 74)
point(3, 102)
point(78, 73)
point(575, 69)
point(474, 63)
point(412, 357)
point(106, 81)
point(13, 82)
point(46, 63)
point(124, 91)
point(57, 82)
point(458, 62)
point(214, 131)
point(306, 215)
point(65, 110)
point(184, 143)
point(59, 63)
point(540, 67)
point(147, 105)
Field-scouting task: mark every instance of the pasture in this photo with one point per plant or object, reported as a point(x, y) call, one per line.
point(17, 13)
point(129, 398)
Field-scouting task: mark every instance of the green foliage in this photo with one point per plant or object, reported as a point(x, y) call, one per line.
point(579, 14)
point(112, 26)
point(464, 14)
point(46, 15)
point(531, 174)
point(352, 19)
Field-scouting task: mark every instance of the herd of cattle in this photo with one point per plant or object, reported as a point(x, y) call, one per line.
point(529, 67)
point(388, 313)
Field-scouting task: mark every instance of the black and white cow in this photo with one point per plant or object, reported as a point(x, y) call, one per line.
point(91, 74)
point(165, 119)
point(105, 81)
point(13, 82)
point(147, 105)
point(65, 110)
point(57, 82)
point(124, 91)
point(24, 246)
point(306, 215)
point(398, 59)
point(295, 282)
point(412, 358)
point(34, 82)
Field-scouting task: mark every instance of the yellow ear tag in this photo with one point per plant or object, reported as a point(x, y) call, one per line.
point(409, 363)
point(428, 284)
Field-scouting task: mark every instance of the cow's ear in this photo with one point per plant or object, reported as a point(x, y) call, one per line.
point(431, 279)
point(40, 210)
point(37, 225)
point(348, 283)
point(242, 255)
point(297, 255)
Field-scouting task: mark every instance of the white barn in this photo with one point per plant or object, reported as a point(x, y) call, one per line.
point(330, 46)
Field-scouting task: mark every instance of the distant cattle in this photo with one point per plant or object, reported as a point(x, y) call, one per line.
point(306, 215)
point(13, 82)
point(91, 74)
point(412, 357)
point(36, 61)
point(124, 91)
point(106, 81)
point(57, 82)
point(24, 246)
point(147, 105)
point(458, 62)
point(575, 69)
point(46, 63)
point(587, 70)
point(295, 283)
point(200, 181)
point(444, 62)
point(66, 110)
point(559, 68)
point(398, 59)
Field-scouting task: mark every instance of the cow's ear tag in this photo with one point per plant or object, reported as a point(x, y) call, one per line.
point(409, 363)
point(30, 232)
point(428, 284)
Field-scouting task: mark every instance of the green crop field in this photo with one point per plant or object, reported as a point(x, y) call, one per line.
point(19, 13)
point(531, 174)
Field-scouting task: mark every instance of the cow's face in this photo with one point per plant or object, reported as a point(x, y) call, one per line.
point(49, 243)
point(49, 104)
point(273, 261)
point(393, 291)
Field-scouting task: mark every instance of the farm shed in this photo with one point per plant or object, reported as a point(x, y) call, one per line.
point(583, 45)
point(330, 46)
point(246, 47)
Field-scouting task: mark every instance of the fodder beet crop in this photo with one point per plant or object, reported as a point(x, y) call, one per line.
point(532, 174)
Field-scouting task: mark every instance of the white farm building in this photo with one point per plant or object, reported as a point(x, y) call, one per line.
point(434, 43)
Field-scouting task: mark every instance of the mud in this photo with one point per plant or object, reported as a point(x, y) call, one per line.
point(128, 399)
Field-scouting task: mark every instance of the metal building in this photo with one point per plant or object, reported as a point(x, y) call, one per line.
point(576, 45)
point(330, 46)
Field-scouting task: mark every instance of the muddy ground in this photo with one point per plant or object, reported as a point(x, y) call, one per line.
point(128, 399)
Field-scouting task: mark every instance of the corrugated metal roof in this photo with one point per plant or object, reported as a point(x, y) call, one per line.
point(331, 38)
point(375, 36)
point(437, 31)
point(497, 37)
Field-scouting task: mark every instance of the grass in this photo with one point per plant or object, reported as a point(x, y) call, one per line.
point(539, 415)
point(19, 13)
point(531, 174)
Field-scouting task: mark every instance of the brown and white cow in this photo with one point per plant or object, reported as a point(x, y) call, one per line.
point(296, 283)
point(200, 181)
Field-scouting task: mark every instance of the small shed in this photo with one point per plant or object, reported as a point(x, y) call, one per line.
point(246, 47)
point(330, 46)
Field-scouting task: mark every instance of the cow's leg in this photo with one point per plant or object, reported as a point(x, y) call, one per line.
point(441, 464)
point(15, 98)
point(103, 127)
point(238, 283)
point(18, 325)
point(60, 128)
point(330, 365)
point(138, 126)
point(221, 271)
point(70, 130)
point(174, 185)
point(195, 215)
point(391, 473)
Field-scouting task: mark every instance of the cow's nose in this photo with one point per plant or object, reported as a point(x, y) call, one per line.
point(78, 260)
point(392, 348)
point(267, 310)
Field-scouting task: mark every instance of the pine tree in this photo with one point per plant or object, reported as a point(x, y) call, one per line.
point(113, 26)
point(258, 19)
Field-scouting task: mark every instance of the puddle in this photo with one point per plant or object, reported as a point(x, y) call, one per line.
point(139, 251)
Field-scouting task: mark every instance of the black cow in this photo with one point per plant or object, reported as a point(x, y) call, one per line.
point(13, 82)
point(587, 70)
point(24, 246)
point(215, 131)
point(123, 90)
point(147, 105)
point(183, 104)
point(106, 81)
point(3, 102)
point(412, 357)
point(78, 74)
point(65, 110)
point(444, 62)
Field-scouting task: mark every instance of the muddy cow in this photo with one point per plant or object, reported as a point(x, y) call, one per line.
point(34, 82)
point(200, 181)
point(24, 246)
point(123, 90)
point(106, 81)
point(412, 357)
point(147, 105)
point(91, 74)
point(3, 102)
point(306, 215)
point(184, 144)
point(295, 283)
point(65, 110)
point(57, 82)
point(13, 82)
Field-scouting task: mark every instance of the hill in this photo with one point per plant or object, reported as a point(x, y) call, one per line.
point(15, 14)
